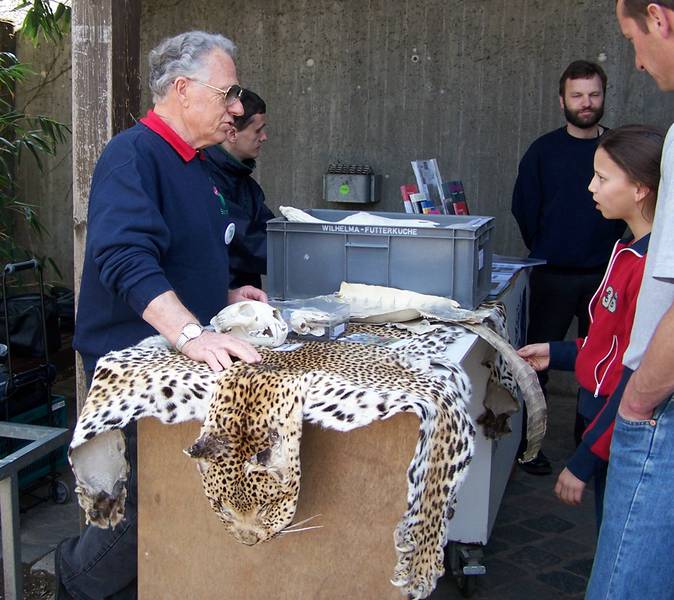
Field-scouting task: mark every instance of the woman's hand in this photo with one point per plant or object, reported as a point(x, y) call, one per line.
point(569, 488)
point(537, 355)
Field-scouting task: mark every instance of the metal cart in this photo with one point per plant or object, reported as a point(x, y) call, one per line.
point(26, 396)
point(480, 495)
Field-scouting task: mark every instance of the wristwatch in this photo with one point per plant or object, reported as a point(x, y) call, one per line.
point(189, 332)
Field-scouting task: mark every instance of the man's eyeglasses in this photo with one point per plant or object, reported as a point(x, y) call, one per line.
point(229, 96)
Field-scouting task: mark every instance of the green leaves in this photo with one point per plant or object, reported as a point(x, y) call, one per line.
point(42, 20)
point(22, 133)
point(11, 71)
point(19, 131)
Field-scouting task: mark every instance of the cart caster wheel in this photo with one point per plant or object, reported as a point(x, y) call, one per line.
point(60, 492)
point(465, 563)
point(467, 585)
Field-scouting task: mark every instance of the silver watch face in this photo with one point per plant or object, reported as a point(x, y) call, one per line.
point(192, 330)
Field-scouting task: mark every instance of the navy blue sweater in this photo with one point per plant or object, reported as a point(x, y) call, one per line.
point(155, 224)
point(245, 200)
point(553, 207)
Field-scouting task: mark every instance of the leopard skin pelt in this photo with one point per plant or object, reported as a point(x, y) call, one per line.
point(248, 448)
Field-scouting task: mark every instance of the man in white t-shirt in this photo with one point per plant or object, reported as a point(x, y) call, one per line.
point(636, 541)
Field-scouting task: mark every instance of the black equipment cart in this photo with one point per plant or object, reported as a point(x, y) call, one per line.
point(26, 395)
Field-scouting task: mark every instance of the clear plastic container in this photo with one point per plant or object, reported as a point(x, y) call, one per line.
point(319, 318)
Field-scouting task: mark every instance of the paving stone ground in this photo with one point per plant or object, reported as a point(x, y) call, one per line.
point(539, 548)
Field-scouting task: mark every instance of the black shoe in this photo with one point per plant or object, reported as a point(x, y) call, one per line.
point(540, 465)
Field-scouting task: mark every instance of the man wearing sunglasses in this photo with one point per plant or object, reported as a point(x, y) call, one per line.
point(232, 164)
point(156, 260)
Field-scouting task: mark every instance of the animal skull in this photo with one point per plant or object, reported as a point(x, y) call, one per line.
point(309, 322)
point(252, 321)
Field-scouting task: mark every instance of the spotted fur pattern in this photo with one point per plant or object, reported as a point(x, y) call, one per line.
point(248, 451)
point(513, 373)
point(500, 371)
point(248, 448)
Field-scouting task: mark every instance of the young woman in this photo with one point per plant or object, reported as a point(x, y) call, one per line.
point(624, 186)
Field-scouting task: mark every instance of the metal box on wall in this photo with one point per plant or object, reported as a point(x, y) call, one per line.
point(452, 260)
point(351, 183)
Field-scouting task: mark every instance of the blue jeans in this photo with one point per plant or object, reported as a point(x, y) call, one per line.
point(599, 490)
point(635, 550)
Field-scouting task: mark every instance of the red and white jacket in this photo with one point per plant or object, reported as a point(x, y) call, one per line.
point(612, 308)
point(598, 356)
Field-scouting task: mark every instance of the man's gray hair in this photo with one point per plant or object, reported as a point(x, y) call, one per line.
point(183, 56)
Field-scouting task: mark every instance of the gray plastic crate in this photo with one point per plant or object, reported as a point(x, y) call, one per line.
point(308, 259)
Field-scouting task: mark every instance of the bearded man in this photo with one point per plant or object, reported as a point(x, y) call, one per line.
point(558, 218)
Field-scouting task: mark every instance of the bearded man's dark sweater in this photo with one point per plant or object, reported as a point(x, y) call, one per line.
point(555, 210)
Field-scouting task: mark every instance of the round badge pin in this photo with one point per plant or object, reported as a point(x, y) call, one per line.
point(229, 233)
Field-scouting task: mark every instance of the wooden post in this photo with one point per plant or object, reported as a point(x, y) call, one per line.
point(125, 56)
point(106, 93)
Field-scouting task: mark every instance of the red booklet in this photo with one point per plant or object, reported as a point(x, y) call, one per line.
point(405, 191)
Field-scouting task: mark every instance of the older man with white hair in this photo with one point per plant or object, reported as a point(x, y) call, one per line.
point(156, 261)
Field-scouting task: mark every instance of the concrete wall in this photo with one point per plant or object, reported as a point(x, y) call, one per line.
point(47, 92)
point(383, 82)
